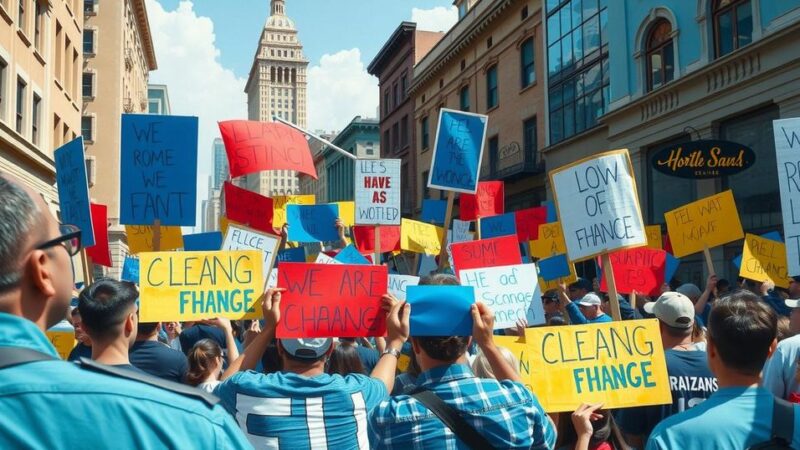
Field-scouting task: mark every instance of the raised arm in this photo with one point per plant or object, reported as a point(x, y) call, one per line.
point(270, 307)
point(397, 330)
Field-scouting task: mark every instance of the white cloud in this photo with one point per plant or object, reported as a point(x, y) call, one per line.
point(439, 18)
point(339, 88)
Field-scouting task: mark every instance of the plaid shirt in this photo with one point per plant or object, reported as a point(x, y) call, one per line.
point(504, 412)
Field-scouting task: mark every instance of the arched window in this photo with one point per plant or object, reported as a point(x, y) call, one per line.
point(660, 55)
point(733, 25)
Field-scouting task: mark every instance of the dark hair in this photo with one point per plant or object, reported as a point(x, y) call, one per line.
point(556, 321)
point(439, 279)
point(104, 305)
point(722, 283)
point(677, 332)
point(344, 360)
point(271, 360)
point(147, 328)
point(202, 359)
point(18, 217)
point(603, 430)
point(443, 348)
point(75, 312)
point(742, 329)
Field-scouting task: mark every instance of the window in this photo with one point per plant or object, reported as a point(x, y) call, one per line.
point(36, 111)
point(404, 131)
point(463, 98)
point(423, 133)
point(396, 96)
point(494, 146)
point(660, 55)
point(89, 6)
point(404, 86)
point(3, 79)
point(21, 93)
point(88, 84)
point(489, 42)
point(21, 16)
point(491, 87)
point(385, 142)
point(395, 137)
point(87, 130)
point(733, 25)
point(386, 103)
point(38, 25)
point(88, 41)
point(426, 193)
point(527, 69)
point(523, 14)
point(462, 9)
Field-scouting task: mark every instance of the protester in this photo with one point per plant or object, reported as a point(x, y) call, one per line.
point(173, 335)
point(345, 360)
point(782, 372)
point(550, 304)
point(579, 288)
point(626, 311)
point(794, 313)
point(584, 310)
point(83, 349)
point(784, 328)
point(590, 428)
point(741, 336)
point(407, 380)
point(195, 331)
point(368, 356)
point(703, 302)
point(205, 365)
point(483, 369)
point(770, 295)
point(690, 378)
point(49, 403)
point(155, 358)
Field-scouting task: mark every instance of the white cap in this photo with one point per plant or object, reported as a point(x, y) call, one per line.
point(313, 348)
point(792, 303)
point(589, 299)
point(674, 309)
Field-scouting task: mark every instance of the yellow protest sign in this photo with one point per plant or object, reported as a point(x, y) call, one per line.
point(518, 348)
point(347, 212)
point(178, 286)
point(553, 284)
point(420, 237)
point(550, 242)
point(654, 238)
point(140, 238)
point(63, 340)
point(618, 364)
point(710, 222)
point(279, 203)
point(764, 259)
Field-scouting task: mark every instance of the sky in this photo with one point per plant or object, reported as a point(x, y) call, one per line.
point(204, 50)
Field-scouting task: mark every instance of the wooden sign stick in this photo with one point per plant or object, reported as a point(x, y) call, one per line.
point(87, 272)
point(157, 235)
point(478, 228)
point(377, 261)
point(709, 261)
point(608, 273)
point(448, 213)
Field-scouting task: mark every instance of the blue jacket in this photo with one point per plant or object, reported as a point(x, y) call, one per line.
point(576, 317)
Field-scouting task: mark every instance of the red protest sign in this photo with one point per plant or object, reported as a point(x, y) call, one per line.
point(528, 221)
point(487, 201)
point(365, 238)
point(638, 269)
point(99, 252)
point(500, 251)
point(248, 208)
point(254, 146)
point(330, 300)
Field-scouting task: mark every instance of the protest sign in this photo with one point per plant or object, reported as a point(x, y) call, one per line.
point(279, 203)
point(487, 201)
point(433, 211)
point(703, 224)
point(654, 237)
point(140, 238)
point(312, 223)
point(457, 151)
point(350, 255)
point(202, 242)
point(552, 214)
point(158, 180)
point(130, 270)
point(377, 191)
point(331, 300)
point(73, 189)
point(241, 238)
point(550, 241)
point(255, 146)
point(640, 269)
point(291, 255)
point(322, 258)
point(427, 265)
point(441, 310)
point(787, 154)
point(100, 252)
point(764, 259)
point(772, 235)
point(528, 222)
point(420, 237)
point(598, 205)
point(501, 251)
point(460, 231)
point(518, 348)
point(618, 364)
point(554, 267)
point(398, 284)
point(547, 285)
point(347, 212)
point(62, 336)
point(495, 226)
point(511, 292)
point(365, 238)
point(180, 286)
point(248, 208)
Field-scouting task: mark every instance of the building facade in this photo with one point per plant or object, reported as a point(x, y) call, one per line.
point(158, 100)
point(361, 137)
point(276, 87)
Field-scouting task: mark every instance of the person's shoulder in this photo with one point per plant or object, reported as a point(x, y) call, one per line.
point(791, 344)
point(393, 408)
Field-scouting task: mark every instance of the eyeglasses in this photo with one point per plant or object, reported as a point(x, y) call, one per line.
point(70, 239)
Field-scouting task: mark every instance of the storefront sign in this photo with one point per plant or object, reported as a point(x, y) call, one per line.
point(704, 159)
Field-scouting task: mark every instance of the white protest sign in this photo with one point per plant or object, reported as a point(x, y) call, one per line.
point(512, 292)
point(598, 206)
point(272, 280)
point(241, 238)
point(787, 153)
point(322, 258)
point(377, 192)
point(399, 283)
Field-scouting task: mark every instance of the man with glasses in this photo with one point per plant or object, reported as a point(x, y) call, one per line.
point(550, 304)
point(48, 403)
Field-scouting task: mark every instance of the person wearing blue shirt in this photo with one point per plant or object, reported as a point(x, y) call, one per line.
point(781, 371)
point(155, 358)
point(83, 349)
point(49, 403)
point(302, 407)
point(741, 336)
point(587, 309)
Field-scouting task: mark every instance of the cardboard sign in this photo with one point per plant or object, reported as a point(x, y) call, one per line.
point(550, 241)
point(180, 286)
point(312, 223)
point(331, 300)
point(711, 222)
point(365, 238)
point(255, 146)
point(130, 270)
point(598, 205)
point(158, 180)
point(512, 292)
point(73, 189)
point(63, 339)
point(554, 267)
point(618, 364)
point(279, 203)
point(272, 281)
point(350, 255)
point(638, 269)
point(398, 284)
point(100, 252)
point(347, 212)
point(487, 201)
point(377, 191)
point(248, 208)
point(457, 151)
point(202, 242)
point(420, 237)
point(322, 258)
point(654, 237)
point(240, 238)
point(520, 350)
point(433, 211)
point(787, 154)
point(764, 259)
point(495, 226)
point(140, 238)
point(441, 310)
point(528, 222)
point(291, 255)
point(502, 251)
point(772, 235)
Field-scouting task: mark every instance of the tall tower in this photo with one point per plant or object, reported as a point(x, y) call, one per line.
point(276, 86)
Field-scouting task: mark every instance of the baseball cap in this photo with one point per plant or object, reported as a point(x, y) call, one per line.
point(672, 308)
point(589, 299)
point(792, 303)
point(305, 348)
point(551, 295)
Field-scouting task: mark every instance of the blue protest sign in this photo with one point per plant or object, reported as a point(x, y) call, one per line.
point(433, 211)
point(73, 189)
point(440, 310)
point(199, 242)
point(312, 223)
point(495, 226)
point(551, 211)
point(350, 255)
point(457, 151)
point(297, 254)
point(130, 270)
point(158, 163)
point(554, 267)
point(671, 267)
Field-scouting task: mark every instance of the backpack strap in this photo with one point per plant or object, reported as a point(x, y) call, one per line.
point(450, 417)
point(783, 420)
point(14, 356)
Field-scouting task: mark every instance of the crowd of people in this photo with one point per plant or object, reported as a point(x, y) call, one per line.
point(218, 383)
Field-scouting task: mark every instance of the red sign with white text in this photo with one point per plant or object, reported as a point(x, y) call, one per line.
point(248, 208)
point(638, 269)
point(255, 146)
point(364, 237)
point(487, 201)
point(500, 251)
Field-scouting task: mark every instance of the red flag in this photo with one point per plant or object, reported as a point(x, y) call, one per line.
point(99, 252)
point(255, 146)
point(248, 208)
point(364, 237)
point(487, 201)
point(500, 251)
point(528, 221)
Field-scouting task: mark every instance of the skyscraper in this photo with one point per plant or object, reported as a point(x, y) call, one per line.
point(220, 164)
point(276, 86)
